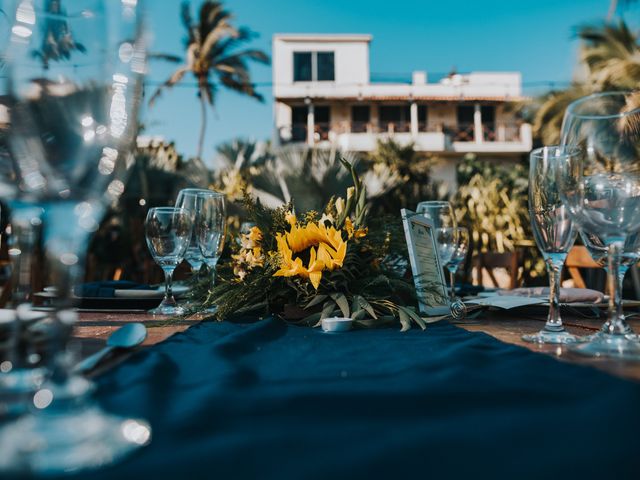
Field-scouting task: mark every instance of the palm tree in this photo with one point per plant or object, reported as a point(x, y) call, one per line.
point(212, 51)
point(610, 54)
point(58, 43)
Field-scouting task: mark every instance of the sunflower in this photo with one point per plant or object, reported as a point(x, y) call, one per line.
point(325, 247)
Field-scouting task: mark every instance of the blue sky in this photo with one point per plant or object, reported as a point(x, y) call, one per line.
point(535, 37)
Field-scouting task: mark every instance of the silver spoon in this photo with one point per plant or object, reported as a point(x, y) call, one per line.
point(128, 336)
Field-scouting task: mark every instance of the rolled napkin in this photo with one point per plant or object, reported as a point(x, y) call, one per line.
point(107, 288)
point(567, 295)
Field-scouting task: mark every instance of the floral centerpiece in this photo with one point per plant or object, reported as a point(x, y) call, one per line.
point(306, 266)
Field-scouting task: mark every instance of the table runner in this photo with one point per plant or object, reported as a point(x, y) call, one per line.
point(269, 400)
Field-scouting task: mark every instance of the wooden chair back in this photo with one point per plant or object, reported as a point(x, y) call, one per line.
point(577, 258)
point(489, 261)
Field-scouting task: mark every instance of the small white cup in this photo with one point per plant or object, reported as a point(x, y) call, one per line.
point(336, 324)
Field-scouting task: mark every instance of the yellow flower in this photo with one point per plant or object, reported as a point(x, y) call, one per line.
point(255, 235)
point(327, 251)
point(291, 219)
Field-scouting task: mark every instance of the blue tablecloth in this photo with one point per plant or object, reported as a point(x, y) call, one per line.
point(267, 400)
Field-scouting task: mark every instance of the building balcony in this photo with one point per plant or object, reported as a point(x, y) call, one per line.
point(463, 138)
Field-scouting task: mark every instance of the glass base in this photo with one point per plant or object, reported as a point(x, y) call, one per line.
point(67, 432)
point(553, 338)
point(622, 347)
point(56, 444)
point(168, 306)
point(17, 387)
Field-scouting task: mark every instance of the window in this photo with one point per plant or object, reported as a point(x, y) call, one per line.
point(313, 66)
point(302, 66)
point(360, 117)
point(322, 117)
point(396, 117)
point(299, 123)
point(325, 67)
point(464, 132)
point(422, 118)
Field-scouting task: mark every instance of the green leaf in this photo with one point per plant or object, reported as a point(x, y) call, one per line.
point(405, 320)
point(358, 314)
point(415, 317)
point(327, 309)
point(342, 303)
point(367, 306)
point(317, 300)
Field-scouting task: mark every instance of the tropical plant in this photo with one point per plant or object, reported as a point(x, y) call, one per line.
point(213, 57)
point(58, 43)
point(408, 179)
point(610, 55)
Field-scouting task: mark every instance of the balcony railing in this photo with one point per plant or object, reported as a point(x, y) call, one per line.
point(491, 132)
point(464, 132)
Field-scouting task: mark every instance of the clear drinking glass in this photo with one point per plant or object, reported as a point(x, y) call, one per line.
point(601, 188)
point(553, 232)
point(630, 256)
point(444, 223)
point(168, 231)
point(73, 83)
point(461, 247)
point(187, 200)
point(211, 228)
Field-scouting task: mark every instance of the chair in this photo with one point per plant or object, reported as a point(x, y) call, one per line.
point(489, 261)
point(577, 258)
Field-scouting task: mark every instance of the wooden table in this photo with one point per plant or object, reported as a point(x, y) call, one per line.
point(93, 329)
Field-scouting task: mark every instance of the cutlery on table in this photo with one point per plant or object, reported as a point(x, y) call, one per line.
point(128, 336)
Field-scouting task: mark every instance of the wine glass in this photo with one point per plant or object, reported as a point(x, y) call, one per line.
point(187, 200)
point(553, 232)
point(211, 228)
point(168, 231)
point(461, 247)
point(601, 188)
point(444, 223)
point(73, 80)
point(598, 251)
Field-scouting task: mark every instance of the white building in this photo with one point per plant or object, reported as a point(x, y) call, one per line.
point(324, 96)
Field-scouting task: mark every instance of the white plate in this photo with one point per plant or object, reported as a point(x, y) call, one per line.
point(157, 293)
point(8, 315)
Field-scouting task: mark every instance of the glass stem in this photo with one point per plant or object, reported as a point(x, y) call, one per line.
point(616, 324)
point(168, 280)
point(554, 321)
point(452, 277)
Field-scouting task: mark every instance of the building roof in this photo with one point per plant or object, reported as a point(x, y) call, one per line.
point(416, 98)
point(323, 37)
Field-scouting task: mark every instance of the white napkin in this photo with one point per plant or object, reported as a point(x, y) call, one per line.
point(567, 295)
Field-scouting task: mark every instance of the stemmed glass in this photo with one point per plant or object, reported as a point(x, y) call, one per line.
point(601, 187)
point(187, 200)
point(73, 75)
point(553, 232)
point(444, 223)
point(461, 247)
point(598, 251)
point(168, 231)
point(211, 227)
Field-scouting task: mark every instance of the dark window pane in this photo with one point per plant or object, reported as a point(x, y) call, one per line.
point(422, 114)
point(299, 123)
point(301, 66)
point(325, 66)
point(398, 115)
point(464, 132)
point(465, 114)
point(322, 117)
point(488, 113)
point(360, 116)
